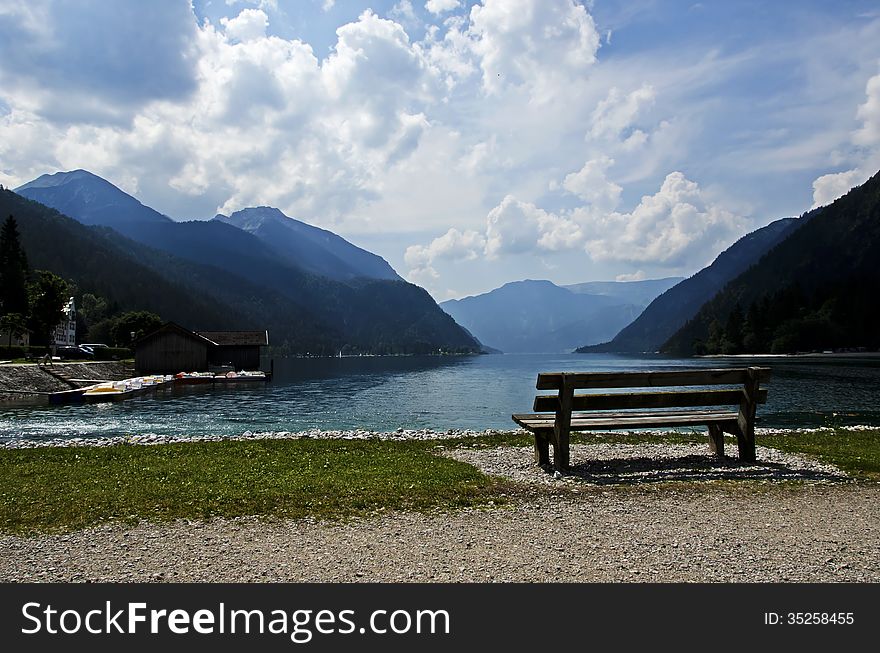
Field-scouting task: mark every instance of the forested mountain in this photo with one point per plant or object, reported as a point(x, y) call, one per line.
point(815, 290)
point(131, 276)
point(672, 309)
point(539, 316)
point(314, 250)
point(237, 275)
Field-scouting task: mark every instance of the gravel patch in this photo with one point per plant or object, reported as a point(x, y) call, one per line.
point(631, 464)
point(696, 533)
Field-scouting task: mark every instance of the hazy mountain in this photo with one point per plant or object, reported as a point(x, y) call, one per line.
point(314, 250)
point(816, 289)
point(362, 314)
point(672, 309)
point(539, 316)
point(628, 292)
point(90, 199)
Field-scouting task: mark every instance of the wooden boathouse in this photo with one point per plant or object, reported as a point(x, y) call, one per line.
point(172, 348)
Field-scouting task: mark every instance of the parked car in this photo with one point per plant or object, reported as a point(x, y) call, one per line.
point(74, 352)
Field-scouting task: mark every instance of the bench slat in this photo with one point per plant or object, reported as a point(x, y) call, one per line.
point(534, 422)
point(650, 379)
point(550, 403)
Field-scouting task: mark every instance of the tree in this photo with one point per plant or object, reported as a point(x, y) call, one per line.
point(48, 294)
point(13, 325)
point(13, 270)
point(134, 325)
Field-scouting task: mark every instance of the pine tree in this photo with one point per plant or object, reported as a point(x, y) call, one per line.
point(13, 270)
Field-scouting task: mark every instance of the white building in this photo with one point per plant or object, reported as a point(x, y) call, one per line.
point(65, 332)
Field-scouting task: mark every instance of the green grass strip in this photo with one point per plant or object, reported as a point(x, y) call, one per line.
point(855, 452)
point(50, 489)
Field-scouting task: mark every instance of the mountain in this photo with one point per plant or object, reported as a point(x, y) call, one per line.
point(539, 316)
point(93, 200)
point(131, 276)
point(817, 289)
point(672, 309)
point(628, 292)
point(314, 250)
point(361, 314)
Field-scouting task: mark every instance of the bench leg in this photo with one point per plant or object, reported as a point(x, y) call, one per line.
point(560, 450)
point(745, 442)
point(542, 448)
point(716, 440)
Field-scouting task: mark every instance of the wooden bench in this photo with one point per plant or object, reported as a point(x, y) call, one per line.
point(556, 416)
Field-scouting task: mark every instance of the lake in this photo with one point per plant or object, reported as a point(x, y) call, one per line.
point(439, 393)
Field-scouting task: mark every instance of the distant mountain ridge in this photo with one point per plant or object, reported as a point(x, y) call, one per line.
point(91, 199)
point(315, 250)
point(673, 308)
point(358, 314)
point(538, 316)
point(634, 292)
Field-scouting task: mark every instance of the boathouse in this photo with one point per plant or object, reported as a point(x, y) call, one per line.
point(172, 348)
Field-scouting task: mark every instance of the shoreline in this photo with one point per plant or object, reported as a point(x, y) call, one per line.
point(398, 435)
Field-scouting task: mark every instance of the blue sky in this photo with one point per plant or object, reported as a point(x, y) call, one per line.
point(469, 143)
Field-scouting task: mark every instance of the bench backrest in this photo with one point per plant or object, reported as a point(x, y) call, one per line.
point(566, 383)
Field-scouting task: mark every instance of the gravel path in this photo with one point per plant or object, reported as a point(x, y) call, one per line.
point(590, 527)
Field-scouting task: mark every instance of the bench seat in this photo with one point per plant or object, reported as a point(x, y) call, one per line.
point(593, 421)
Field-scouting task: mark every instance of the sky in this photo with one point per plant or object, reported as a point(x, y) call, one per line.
point(469, 143)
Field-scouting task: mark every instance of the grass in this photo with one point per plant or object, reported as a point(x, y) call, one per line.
point(855, 452)
point(52, 489)
point(58, 489)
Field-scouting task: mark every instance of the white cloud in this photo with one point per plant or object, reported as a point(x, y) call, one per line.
point(532, 42)
point(438, 7)
point(829, 187)
point(249, 25)
point(403, 11)
point(328, 5)
point(515, 227)
point(454, 245)
point(593, 187)
point(676, 227)
point(617, 112)
point(868, 135)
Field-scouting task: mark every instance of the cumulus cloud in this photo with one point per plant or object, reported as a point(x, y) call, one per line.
point(866, 138)
point(531, 42)
point(593, 187)
point(250, 24)
point(675, 227)
point(515, 227)
point(454, 245)
point(616, 113)
point(678, 227)
point(828, 188)
point(868, 135)
point(438, 7)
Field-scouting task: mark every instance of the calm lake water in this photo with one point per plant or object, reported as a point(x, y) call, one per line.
point(475, 392)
